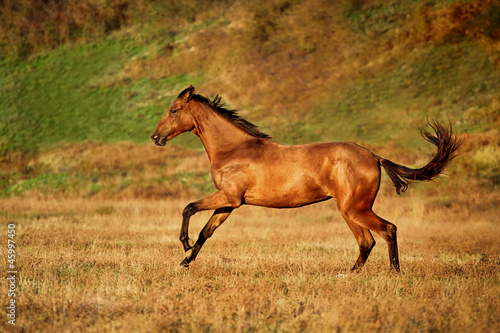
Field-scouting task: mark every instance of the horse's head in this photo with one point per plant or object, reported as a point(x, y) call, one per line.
point(176, 120)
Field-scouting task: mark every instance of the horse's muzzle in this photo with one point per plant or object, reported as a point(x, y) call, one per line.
point(159, 141)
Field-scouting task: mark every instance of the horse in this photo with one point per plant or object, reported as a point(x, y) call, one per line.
point(249, 168)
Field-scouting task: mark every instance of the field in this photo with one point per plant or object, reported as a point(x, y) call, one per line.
point(107, 260)
point(97, 207)
point(111, 265)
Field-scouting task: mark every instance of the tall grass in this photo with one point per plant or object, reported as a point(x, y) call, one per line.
point(105, 265)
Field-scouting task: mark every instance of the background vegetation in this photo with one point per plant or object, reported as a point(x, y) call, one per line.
point(83, 84)
point(305, 71)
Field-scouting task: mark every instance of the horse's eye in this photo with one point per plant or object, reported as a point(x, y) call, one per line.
point(172, 112)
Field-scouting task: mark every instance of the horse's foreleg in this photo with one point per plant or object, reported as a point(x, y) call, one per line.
point(219, 216)
point(218, 201)
point(189, 211)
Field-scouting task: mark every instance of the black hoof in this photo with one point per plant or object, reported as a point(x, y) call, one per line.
point(184, 263)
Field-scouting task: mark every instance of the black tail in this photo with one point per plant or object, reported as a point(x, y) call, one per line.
point(447, 145)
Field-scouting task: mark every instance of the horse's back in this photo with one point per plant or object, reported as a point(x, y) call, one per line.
point(317, 156)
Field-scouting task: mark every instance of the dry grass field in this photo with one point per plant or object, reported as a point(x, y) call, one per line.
point(105, 265)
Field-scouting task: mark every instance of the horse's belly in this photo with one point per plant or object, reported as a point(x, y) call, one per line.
point(277, 193)
point(284, 202)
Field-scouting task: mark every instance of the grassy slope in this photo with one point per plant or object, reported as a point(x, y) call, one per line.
point(71, 94)
point(391, 66)
point(426, 86)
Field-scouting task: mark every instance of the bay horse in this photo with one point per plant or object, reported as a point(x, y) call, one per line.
point(249, 168)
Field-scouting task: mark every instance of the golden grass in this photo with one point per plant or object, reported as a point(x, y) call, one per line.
point(111, 265)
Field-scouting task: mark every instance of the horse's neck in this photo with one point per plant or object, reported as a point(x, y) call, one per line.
point(218, 134)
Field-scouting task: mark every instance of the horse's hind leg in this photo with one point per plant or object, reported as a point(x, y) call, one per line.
point(365, 241)
point(369, 220)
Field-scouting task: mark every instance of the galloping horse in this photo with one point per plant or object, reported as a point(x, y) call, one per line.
point(249, 168)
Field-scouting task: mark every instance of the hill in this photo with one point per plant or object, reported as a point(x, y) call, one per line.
point(369, 71)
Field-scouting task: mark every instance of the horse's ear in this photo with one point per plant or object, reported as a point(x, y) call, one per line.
point(187, 94)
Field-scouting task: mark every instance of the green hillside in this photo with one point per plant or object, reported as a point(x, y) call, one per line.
point(368, 71)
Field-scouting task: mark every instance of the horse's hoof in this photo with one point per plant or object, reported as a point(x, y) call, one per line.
point(184, 263)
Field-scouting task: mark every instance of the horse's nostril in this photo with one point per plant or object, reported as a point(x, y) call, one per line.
point(154, 137)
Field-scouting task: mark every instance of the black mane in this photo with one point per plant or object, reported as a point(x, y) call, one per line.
point(232, 115)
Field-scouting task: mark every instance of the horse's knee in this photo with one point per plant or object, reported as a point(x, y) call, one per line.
point(189, 211)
